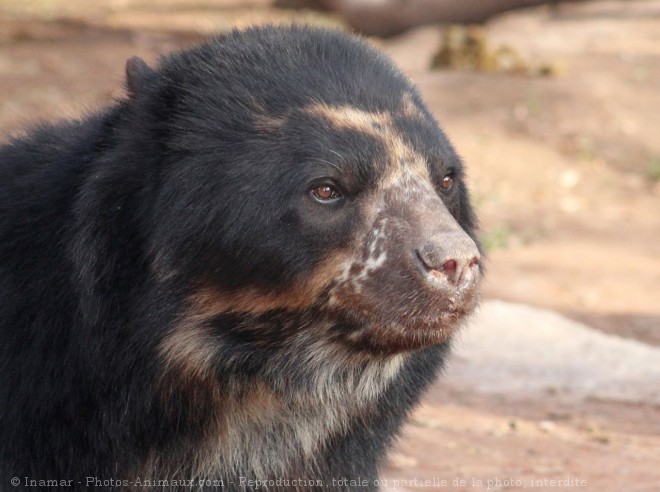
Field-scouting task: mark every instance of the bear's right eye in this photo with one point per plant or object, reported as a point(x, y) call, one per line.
point(325, 193)
point(447, 182)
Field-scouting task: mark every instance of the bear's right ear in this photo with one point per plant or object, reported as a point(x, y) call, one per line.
point(138, 75)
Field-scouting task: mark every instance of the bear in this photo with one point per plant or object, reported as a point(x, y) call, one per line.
point(242, 274)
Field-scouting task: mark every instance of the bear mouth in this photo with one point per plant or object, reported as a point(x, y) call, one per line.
point(375, 327)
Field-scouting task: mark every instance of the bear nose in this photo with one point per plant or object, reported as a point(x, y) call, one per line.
point(454, 258)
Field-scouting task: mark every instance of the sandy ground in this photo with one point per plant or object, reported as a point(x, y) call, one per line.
point(565, 173)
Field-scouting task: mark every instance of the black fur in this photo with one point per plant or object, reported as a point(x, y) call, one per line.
point(111, 224)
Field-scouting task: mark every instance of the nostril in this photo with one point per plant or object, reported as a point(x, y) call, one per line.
point(473, 263)
point(468, 273)
point(449, 267)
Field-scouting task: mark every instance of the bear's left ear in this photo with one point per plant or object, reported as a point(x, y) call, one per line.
point(138, 75)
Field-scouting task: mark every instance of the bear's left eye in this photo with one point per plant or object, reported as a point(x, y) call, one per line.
point(325, 193)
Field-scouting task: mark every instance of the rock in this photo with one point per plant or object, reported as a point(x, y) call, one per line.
point(512, 348)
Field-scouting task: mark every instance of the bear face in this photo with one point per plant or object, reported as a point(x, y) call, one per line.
point(320, 185)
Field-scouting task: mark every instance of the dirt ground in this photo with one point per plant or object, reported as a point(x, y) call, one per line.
point(564, 170)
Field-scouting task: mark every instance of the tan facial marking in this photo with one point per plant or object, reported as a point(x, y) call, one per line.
point(208, 301)
point(267, 123)
point(189, 349)
point(264, 121)
point(401, 156)
point(350, 118)
point(409, 109)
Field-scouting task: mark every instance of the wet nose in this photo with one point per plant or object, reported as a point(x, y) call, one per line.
point(453, 257)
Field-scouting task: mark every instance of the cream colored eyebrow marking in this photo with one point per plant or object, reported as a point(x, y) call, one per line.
point(403, 158)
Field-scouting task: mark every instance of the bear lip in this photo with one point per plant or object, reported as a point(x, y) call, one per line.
point(387, 332)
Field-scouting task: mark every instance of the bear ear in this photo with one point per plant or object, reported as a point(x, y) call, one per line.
point(138, 75)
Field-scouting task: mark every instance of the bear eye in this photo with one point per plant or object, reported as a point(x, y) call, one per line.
point(447, 182)
point(325, 193)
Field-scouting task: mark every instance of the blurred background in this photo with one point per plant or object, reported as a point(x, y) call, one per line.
point(555, 107)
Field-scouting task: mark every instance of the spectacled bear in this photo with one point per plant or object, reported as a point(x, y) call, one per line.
point(248, 269)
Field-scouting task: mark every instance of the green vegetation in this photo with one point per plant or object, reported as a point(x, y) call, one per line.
point(496, 238)
point(654, 169)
